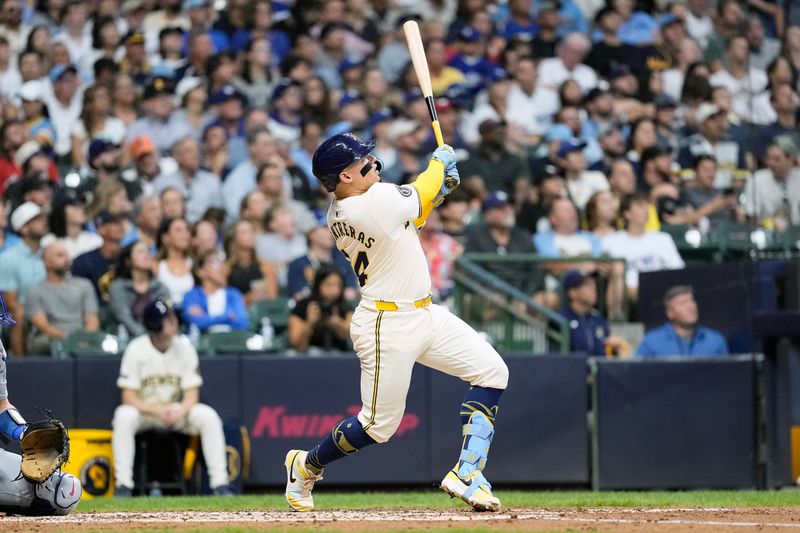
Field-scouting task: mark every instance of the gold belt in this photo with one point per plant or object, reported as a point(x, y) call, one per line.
point(384, 305)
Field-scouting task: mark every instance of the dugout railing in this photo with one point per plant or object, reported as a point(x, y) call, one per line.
point(503, 296)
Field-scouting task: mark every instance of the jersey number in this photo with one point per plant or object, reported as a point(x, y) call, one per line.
point(360, 266)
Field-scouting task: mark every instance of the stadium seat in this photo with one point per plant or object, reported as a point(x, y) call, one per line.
point(277, 310)
point(232, 343)
point(86, 344)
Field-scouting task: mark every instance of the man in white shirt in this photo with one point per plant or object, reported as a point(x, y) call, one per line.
point(774, 192)
point(529, 105)
point(568, 65)
point(160, 381)
point(643, 251)
point(744, 81)
point(64, 103)
point(581, 183)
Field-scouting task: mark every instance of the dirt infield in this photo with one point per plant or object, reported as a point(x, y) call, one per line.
point(518, 519)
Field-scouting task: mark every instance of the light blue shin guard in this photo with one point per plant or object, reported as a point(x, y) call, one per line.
point(478, 435)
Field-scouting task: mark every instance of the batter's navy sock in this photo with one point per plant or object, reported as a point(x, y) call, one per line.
point(480, 399)
point(346, 438)
point(477, 417)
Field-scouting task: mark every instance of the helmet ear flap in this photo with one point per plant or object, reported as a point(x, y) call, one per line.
point(378, 165)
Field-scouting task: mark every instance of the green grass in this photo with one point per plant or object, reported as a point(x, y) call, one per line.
point(435, 500)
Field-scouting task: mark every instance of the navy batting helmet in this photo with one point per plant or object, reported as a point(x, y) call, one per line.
point(155, 313)
point(335, 155)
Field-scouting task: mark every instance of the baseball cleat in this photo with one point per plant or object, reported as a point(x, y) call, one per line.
point(474, 490)
point(299, 481)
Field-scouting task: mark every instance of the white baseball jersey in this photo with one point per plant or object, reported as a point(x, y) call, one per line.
point(160, 377)
point(376, 232)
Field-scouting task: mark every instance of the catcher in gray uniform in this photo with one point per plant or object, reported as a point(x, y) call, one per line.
point(42, 489)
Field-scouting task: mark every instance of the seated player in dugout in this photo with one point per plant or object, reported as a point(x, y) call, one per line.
point(375, 225)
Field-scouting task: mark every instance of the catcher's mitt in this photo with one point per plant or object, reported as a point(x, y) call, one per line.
point(45, 447)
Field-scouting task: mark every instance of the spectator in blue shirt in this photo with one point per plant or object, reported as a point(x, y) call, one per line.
point(211, 305)
point(682, 335)
point(588, 331)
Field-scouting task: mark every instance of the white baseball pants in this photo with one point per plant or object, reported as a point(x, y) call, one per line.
point(202, 420)
point(388, 343)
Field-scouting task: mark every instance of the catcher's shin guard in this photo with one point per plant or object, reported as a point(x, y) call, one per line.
point(58, 495)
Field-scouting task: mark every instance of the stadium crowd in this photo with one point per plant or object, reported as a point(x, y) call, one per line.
point(158, 148)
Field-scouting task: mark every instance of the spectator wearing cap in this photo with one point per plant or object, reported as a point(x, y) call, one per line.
point(34, 188)
point(21, 267)
point(229, 105)
point(286, 117)
point(146, 165)
point(712, 124)
point(96, 122)
point(581, 183)
point(321, 250)
point(405, 136)
point(353, 115)
point(135, 62)
point(37, 122)
point(785, 103)
point(771, 194)
point(200, 188)
point(682, 334)
point(97, 264)
point(643, 251)
point(568, 64)
point(500, 235)
point(588, 330)
point(64, 105)
point(666, 122)
point(529, 104)
point(199, 14)
point(68, 224)
point(496, 167)
point(472, 62)
point(743, 80)
point(242, 179)
point(105, 162)
point(159, 123)
point(192, 98)
point(609, 50)
point(61, 304)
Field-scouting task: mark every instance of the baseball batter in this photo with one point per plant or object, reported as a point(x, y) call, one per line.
point(59, 494)
point(160, 381)
point(395, 325)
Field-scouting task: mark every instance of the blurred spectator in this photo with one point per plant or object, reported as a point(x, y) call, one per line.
point(609, 50)
point(569, 64)
point(565, 238)
point(711, 139)
point(404, 137)
point(255, 279)
point(682, 335)
point(282, 243)
point(96, 122)
point(763, 49)
point(205, 238)
point(643, 251)
point(229, 105)
point(123, 95)
point(699, 24)
point(719, 206)
point(785, 103)
point(286, 117)
point(174, 268)
point(192, 99)
point(495, 166)
point(548, 187)
point(96, 265)
point(134, 287)
point(258, 75)
point(530, 104)
point(441, 251)
point(547, 35)
point(199, 187)
point(770, 195)
point(159, 123)
point(321, 250)
point(61, 304)
point(744, 80)
point(589, 332)
point(160, 382)
point(64, 107)
point(655, 167)
point(270, 181)
point(147, 218)
point(581, 183)
point(7, 239)
point(37, 121)
point(21, 267)
point(172, 203)
point(146, 166)
point(68, 224)
point(621, 178)
point(455, 215)
point(242, 178)
point(322, 320)
point(211, 305)
point(602, 215)
point(12, 137)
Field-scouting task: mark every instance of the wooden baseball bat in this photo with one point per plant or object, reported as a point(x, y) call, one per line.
point(414, 40)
